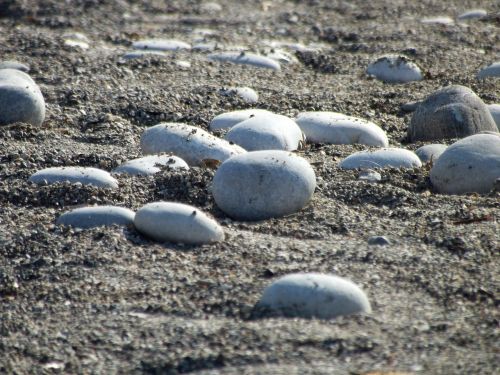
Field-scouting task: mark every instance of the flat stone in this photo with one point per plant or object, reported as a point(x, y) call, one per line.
point(190, 143)
point(441, 20)
point(267, 132)
point(495, 113)
point(248, 94)
point(379, 240)
point(492, 70)
point(20, 99)
point(14, 65)
point(97, 216)
point(430, 152)
point(394, 69)
point(313, 295)
point(176, 222)
point(161, 45)
point(470, 165)
point(149, 165)
point(143, 54)
point(263, 184)
point(451, 112)
point(76, 39)
point(472, 14)
point(228, 119)
point(282, 57)
point(246, 58)
point(83, 175)
point(386, 157)
point(337, 128)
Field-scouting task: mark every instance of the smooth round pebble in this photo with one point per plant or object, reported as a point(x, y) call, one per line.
point(190, 143)
point(369, 175)
point(430, 152)
point(492, 70)
point(495, 113)
point(337, 128)
point(161, 45)
point(386, 157)
point(441, 20)
point(248, 94)
point(263, 184)
point(267, 132)
point(97, 216)
point(394, 69)
point(313, 295)
point(228, 119)
point(246, 58)
point(83, 175)
point(14, 65)
point(149, 165)
point(76, 39)
point(20, 99)
point(450, 112)
point(379, 240)
point(472, 14)
point(177, 222)
point(470, 165)
point(142, 54)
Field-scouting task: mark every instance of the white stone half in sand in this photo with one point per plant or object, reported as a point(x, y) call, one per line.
point(83, 175)
point(492, 70)
point(386, 157)
point(228, 119)
point(177, 222)
point(150, 164)
point(267, 132)
point(263, 184)
point(142, 54)
point(495, 113)
point(430, 152)
point(246, 58)
point(469, 165)
point(248, 94)
point(97, 216)
point(161, 45)
point(314, 295)
point(472, 14)
point(394, 69)
point(442, 20)
point(20, 99)
point(283, 57)
point(337, 128)
point(190, 143)
point(76, 39)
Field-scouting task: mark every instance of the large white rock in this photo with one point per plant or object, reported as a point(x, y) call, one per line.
point(394, 69)
point(386, 157)
point(161, 45)
point(492, 70)
point(246, 58)
point(20, 98)
point(313, 295)
point(337, 128)
point(176, 222)
point(430, 152)
point(229, 119)
point(263, 184)
point(495, 113)
point(267, 132)
point(472, 14)
point(248, 94)
point(149, 165)
point(97, 216)
point(83, 175)
point(190, 143)
point(470, 165)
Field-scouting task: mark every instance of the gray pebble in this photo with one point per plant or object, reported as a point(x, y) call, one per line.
point(378, 240)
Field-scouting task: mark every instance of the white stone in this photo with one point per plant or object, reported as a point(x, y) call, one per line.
point(149, 165)
point(248, 94)
point(190, 143)
point(443, 20)
point(495, 113)
point(369, 175)
point(314, 295)
point(205, 47)
point(337, 128)
point(282, 57)
point(161, 45)
point(83, 175)
point(183, 64)
point(394, 69)
point(176, 222)
point(263, 184)
point(76, 39)
point(246, 58)
point(96, 216)
point(472, 14)
point(430, 152)
point(470, 165)
point(20, 99)
point(386, 157)
point(210, 7)
point(142, 54)
point(267, 132)
point(228, 119)
point(492, 70)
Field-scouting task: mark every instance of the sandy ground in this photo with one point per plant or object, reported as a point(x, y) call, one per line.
point(108, 301)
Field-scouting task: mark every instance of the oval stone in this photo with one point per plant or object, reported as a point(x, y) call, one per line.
point(149, 165)
point(267, 132)
point(495, 113)
point(492, 70)
point(229, 119)
point(177, 222)
point(246, 58)
point(394, 69)
point(142, 54)
point(472, 14)
point(248, 94)
point(161, 45)
point(337, 128)
point(97, 216)
point(20, 99)
point(430, 152)
point(470, 165)
point(440, 20)
point(263, 184)
point(190, 143)
point(451, 112)
point(386, 157)
point(83, 175)
point(313, 295)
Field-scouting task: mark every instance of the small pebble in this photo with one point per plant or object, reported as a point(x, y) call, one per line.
point(472, 14)
point(492, 70)
point(386, 157)
point(378, 240)
point(248, 94)
point(83, 175)
point(430, 152)
point(369, 175)
point(76, 40)
point(149, 165)
point(14, 65)
point(228, 119)
point(395, 69)
point(282, 57)
point(96, 216)
point(142, 54)
point(443, 20)
point(246, 58)
point(161, 45)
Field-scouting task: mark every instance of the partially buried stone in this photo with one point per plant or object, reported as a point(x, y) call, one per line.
point(246, 58)
point(83, 175)
point(394, 69)
point(430, 152)
point(142, 54)
point(161, 45)
point(228, 119)
point(97, 216)
point(248, 94)
point(378, 240)
point(151, 164)
point(20, 99)
point(176, 222)
point(472, 14)
point(14, 65)
point(383, 158)
point(492, 70)
point(369, 175)
point(450, 112)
